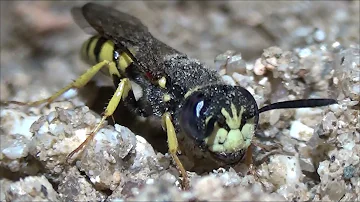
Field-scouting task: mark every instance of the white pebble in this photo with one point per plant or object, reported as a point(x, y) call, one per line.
point(52, 115)
point(303, 53)
point(259, 68)
point(70, 94)
point(285, 169)
point(222, 72)
point(251, 90)
point(271, 63)
point(263, 81)
point(335, 108)
point(150, 181)
point(356, 89)
point(21, 124)
point(336, 80)
point(301, 131)
point(307, 112)
point(56, 129)
point(249, 67)
point(24, 127)
point(228, 80)
point(274, 116)
point(15, 152)
point(241, 79)
point(319, 35)
point(335, 44)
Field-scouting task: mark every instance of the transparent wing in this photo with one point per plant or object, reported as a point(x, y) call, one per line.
point(108, 22)
point(80, 20)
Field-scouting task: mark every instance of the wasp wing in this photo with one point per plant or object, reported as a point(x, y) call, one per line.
point(110, 23)
point(128, 31)
point(80, 20)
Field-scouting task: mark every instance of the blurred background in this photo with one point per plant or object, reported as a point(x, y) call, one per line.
point(40, 41)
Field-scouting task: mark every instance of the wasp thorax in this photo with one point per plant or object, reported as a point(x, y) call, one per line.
point(221, 117)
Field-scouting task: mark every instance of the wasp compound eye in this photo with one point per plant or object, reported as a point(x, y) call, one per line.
point(223, 117)
point(192, 115)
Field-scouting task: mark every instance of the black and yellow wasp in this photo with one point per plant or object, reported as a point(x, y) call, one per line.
point(207, 121)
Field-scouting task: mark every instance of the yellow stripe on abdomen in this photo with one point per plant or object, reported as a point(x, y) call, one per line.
point(124, 61)
point(106, 51)
point(87, 51)
point(97, 49)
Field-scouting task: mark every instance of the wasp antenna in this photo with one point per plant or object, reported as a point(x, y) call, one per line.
point(298, 104)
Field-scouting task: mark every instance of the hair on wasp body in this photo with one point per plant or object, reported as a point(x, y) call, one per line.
point(203, 117)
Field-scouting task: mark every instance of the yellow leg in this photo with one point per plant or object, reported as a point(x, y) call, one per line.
point(78, 83)
point(121, 92)
point(173, 148)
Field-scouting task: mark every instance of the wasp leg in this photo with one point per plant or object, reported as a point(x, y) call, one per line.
point(249, 161)
point(267, 148)
point(78, 83)
point(249, 156)
point(173, 148)
point(121, 92)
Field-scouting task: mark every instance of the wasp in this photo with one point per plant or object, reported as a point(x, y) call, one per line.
point(204, 119)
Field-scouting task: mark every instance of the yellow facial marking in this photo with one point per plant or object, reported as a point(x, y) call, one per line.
point(166, 97)
point(234, 121)
point(219, 135)
point(233, 140)
point(162, 82)
point(248, 129)
point(224, 141)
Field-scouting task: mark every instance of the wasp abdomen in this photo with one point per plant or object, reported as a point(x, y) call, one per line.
point(97, 49)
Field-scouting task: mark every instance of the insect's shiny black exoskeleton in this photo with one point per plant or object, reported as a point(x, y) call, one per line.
point(205, 119)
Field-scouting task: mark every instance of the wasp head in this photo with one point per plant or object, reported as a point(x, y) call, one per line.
point(223, 118)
